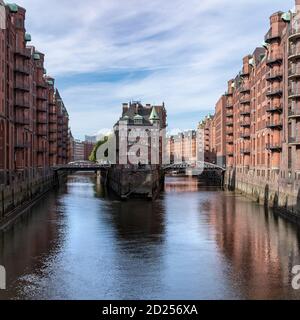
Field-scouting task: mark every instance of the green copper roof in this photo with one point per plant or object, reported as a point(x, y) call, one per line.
point(125, 118)
point(51, 82)
point(286, 17)
point(36, 56)
point(13, 7)
point(154, 115)
point(265, 45)
point(251, 62)
point(45, 71)
point(27, 37)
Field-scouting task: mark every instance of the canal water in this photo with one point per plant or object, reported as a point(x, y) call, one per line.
point(192, 243)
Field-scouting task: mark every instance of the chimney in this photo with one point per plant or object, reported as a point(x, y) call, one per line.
point(125, 107)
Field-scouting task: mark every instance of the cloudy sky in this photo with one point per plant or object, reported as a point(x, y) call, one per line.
point(106, 52)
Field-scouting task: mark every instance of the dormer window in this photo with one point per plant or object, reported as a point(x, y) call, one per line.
point(138, 119)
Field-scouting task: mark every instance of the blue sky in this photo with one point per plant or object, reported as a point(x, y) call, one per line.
point(106, 52)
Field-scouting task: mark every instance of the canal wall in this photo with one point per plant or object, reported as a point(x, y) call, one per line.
point(283, 195)
point(134, 181)
point(20, 195)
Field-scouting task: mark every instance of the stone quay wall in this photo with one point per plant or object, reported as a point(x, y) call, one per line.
point(20, 195)
point(134, 182)
point(283, 195)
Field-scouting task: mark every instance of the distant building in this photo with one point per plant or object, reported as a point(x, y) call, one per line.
point(183, 147)
point(206, 130)
point(91, 139)
point(78, 150)
point(88, 148)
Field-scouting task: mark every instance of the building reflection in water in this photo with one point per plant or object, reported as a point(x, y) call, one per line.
point(187, 184)
point(192, 243)
point(31, 239)
point(260, 247)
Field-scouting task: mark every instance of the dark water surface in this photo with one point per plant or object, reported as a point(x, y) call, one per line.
point(192, 243)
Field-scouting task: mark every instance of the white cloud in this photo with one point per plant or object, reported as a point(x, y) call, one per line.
point(188, 48)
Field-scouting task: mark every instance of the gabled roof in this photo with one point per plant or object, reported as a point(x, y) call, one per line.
point(154, 115)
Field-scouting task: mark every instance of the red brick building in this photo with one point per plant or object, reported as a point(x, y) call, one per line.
point(33, 119)
point(262, 103)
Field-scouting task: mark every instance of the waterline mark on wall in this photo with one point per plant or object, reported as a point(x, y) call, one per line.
point(2, 278)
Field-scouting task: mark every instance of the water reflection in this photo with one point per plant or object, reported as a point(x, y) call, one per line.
point(80, 242)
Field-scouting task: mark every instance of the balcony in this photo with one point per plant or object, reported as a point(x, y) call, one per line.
point(42, 108)
point(274, 75)
point(229, 140)
point(244, 73)
point(52, 137)
point(41, 120)
point(294, 93)
point(272, 124)
point(273, 92)
point(228, 94)
point(245, 151)
point(229, 123)
point(229, 114)
point(52, 130)
point(294, 53)
point(23, 52)
point(274, 59)
point(41, 132)
point(275, 108)
point(52, 151)
point(294, 34)
point(229, 131)
point(22, 86)
point(21, 145)
point(294, 73)
point(41, 84)
point(22, 120)
point(272, 36)
point(42, 95)
point(246, 123)
point(41, 149)
point(22, 69)
point(274, 146)
point(294, 141)
point(245, 112)
point(294, 112)
point(245, 136)
point(21, 103)
point(245, 88)
point(245, 100)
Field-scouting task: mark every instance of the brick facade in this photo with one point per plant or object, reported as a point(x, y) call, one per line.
point(33, 119)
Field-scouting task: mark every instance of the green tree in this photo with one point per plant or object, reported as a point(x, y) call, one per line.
point(93, 156)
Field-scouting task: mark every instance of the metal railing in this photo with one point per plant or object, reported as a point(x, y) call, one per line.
point(19, 85)
point(294, 92)
point(294, 111)
point(271, 35)
point(274, 91)
point(294, 71)
point(274, 58)
point(22, 119)
point(274, 146)
point(294, 140)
